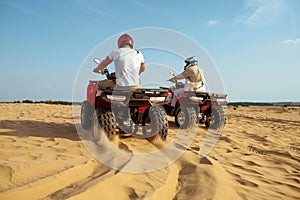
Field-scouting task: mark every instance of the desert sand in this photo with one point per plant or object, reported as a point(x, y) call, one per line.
point(256, 157)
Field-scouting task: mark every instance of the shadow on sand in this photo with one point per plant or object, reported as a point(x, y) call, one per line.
point(23, 128)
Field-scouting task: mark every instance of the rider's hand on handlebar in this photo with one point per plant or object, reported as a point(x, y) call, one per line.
point(172, 80)
point(101, 71)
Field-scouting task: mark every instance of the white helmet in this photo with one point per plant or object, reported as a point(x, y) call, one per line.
point(190, 62)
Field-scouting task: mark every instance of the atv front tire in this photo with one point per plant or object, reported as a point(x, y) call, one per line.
point(185, 117)
point(86, 115)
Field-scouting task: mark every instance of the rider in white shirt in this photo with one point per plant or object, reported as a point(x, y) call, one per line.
point(129, 63)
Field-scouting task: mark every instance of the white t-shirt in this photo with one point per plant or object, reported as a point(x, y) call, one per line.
point(127, 65)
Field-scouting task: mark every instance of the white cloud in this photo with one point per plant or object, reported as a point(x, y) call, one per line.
point(212, 22)
point(291, 41)
point(261, 13)
point(144, 6)
point(25, 9)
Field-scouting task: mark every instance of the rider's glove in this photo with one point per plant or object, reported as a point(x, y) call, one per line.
point(101, 71)
point(172, 79)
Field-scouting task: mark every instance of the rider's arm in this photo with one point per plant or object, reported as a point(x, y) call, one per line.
point(187, 73)
point(103, 64)
point(179, 76)
point(183, 75)
point(142, 60)
point(142, 68)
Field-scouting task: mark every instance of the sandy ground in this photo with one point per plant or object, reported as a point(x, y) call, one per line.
point(42, 157)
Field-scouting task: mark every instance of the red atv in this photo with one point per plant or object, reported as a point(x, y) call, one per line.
point(137, 112)
point(196, 107)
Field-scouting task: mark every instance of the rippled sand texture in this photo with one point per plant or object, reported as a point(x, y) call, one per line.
point(42, 157)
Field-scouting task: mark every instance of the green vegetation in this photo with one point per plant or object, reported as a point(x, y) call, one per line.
point(234, 104)
point(46, 102)
point(246, 104)
point(55, 102)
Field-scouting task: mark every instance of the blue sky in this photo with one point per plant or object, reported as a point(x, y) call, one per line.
point(255, 44)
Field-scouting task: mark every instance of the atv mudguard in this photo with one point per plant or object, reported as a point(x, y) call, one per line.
point(91, 92)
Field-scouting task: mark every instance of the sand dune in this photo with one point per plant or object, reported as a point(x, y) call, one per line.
point(256, 157)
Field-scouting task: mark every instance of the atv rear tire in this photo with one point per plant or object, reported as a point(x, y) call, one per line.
point(86, 115)
point(185, 117)
point(216, 118)
point(104, 122)
point(158, 122)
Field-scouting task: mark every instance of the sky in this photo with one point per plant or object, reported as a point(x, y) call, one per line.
point(254, 44)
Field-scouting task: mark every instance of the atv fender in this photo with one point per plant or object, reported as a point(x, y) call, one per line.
point(91, 93)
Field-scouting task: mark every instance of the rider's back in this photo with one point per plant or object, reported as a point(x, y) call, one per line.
point(127, 65)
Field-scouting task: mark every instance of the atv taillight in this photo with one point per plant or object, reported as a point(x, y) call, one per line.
point(196, 99)
point(157, 99)
point(116, 98)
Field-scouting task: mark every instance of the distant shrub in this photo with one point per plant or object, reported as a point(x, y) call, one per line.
point(61, 102)
point(48, 102)
point(245, 105)
point(27, 101)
